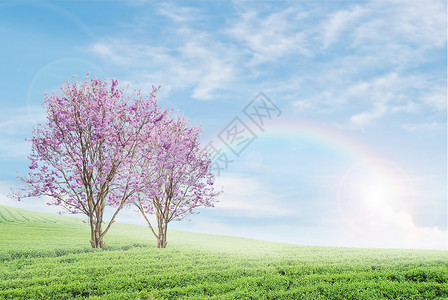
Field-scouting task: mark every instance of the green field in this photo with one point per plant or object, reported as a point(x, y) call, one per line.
point(45, 256)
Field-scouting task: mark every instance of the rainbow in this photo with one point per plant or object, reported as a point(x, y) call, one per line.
point(330, 138)
point(360, 154)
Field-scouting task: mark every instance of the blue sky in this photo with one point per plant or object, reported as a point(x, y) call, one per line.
point(357, 156)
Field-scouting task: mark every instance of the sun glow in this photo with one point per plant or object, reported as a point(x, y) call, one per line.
point(372, 194)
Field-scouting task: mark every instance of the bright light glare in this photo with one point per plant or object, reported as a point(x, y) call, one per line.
point(371, 194)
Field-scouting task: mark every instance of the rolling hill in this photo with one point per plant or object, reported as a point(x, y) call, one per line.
point(46, 256)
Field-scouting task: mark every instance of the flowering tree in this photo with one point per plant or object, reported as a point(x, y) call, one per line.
point(83, 156)
point(177, 174)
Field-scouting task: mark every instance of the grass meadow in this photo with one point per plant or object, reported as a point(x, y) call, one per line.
point(46, 256)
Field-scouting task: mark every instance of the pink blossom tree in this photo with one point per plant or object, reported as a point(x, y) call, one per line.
point(83, 156)
point(178, 175)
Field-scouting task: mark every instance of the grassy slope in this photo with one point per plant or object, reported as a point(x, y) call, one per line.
point(48, 256)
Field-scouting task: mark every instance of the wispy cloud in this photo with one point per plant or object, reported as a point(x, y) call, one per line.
point(17, 123)
point(422, 126)
point(396, 229)
point(367, 117)
point(352, 47)
point(272, 36)
point(19, 120)
point(421, 23)
point(11, 148)
point(338, 22)
point(179, 13)
point(380, 94)
point(369, 53)
point(195, 62)
point(436, 98)
point(246, 196)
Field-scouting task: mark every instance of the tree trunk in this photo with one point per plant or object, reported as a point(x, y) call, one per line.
point(161, 239)
point(162, 228)
point(96, 236)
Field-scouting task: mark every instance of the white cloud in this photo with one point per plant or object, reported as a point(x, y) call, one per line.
point(16, 125)
point(436, 99)
point(377, 209)
point(178, 13)
point(19, 120)
point(32, 203)
point(367, 117)
point(409, 107)
point(376, 44)
point(402, 22)
point(381, 93)
point(14, 148)
point(195, 62)
point(216, 71)
point(390, 94)
point(271, 37)
point(301, 105)
point(423, 126)
point(395, 229)
point(420, 22)
point(392, 36)
point(338, 22)
point(247, 196)
point(105, 50)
